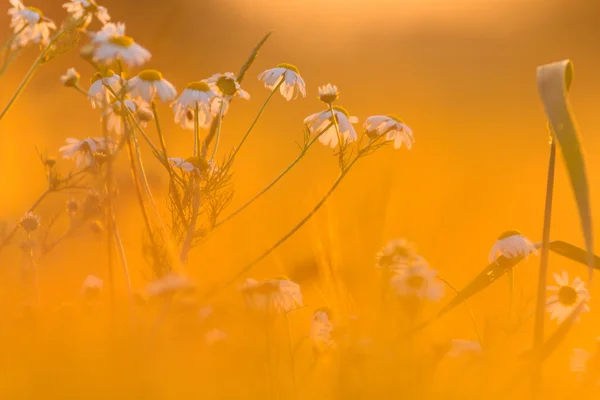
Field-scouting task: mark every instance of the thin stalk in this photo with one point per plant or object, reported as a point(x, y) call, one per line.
point(11, 38)
point(108, 178)
point(196, 132)
point(138, 192)
point(270, 185)
point(339, 136)
point(189, 235)
point(122, 256)
point(538, 336)
point(8, 60)
point(219, 125)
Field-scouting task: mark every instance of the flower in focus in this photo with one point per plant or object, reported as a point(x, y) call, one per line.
point(511, 244)
point(417, 279)
point(29, 24)
point(566, 297)
point(227, 86)
point(70, 78)
point(111, 44)
point(328, 93)
point(395, 254)
point(116, 115)
point(92, 286)
point(461, 347)
point(30, 222)
point(275, 295)
point(319, 121)
point(98, 94)
point(86, 10)
point(149, 83)
point(321, 328)
point(214, 336)
point(169, 285)
point(292, 84)
point(83, 151)
point(392, 127)
point(197, 94)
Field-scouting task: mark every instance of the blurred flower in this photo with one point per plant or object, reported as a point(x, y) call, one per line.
point(169, 285)
point(392, 127)
point(511, 244)
point(72, 206)
point(29, 24)
point(98, 94)
point(92, 286)
point(586, 366)
point(115, 114)
point(30, 222)
point(328, 93)
point(566, 297)
point(417, 279)
point(275, 295)
point(321, 328)
point(149, 83)
point(143, 112)
point(395, 254)
point(192, 164)
point(213, 336)
point(227, 86)
point(86, 10)
point(318, 121)
point(70, 78)
point(83, 150)
point(292, 81)
point(197, 94)
point(461, 347)
point(112, 44)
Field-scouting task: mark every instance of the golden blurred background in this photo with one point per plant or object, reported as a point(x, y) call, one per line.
point(460, 73)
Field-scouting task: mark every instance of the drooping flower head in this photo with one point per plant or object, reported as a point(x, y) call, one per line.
point(321, 329)
point(85, 10)
point(317, 122)
point(272, 296)
point(566, 297)
point(291, 82)
point(150, 83)
point(197, 95)
point(29, 24)
point(98, 94)
point(192, 164)
point(392, 127)
point(84, 151)
point(70, 78)
point(511, 244)
point(417, 280)
point(111, 44)
point(586, 366)
point(116, 114)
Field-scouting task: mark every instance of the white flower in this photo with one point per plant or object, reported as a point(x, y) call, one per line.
point(98, 94)
point(30, 222)
point(92, 285)
point(292, 84)
point(213, 336)
point(227, 86)
point(70, 78)
point(585, 365)
point(461, 347)
point(116, 115)
point(83, 150)
point(111, 44)
point(328, 93)
point(511, 244)
point(169, 284)
point(393, 128)
point(275, 295)
point(86, 10)
point(321, 328)
point(197, 94)
point(187, 166)
point(417, 279)
point(566, 297)
point(319, 121)
point(29, 24)
point(395, 254)
point(193, 164)
point(149, 83)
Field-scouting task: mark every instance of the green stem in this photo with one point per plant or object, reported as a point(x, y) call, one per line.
point(189, 235)
point(12, 37)
point(339, 136)
point(220, 123)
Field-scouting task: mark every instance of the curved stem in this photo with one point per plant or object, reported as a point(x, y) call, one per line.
point(219, 124)
point(122, 256)
point(11, 38)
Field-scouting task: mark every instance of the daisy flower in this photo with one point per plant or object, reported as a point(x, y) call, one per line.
point(115, 114)
point(585, 365)
point(319, 121)
point(92, 286)
point(98, 94)
point(29, 24)
point(227, 86)
point(70, 78)
point(566, 297)
point(417, 279)
point(86, 10)
point(292, 84)
point(82, 151)
point(392, 127)
point(511, 244)
point(111, 44)
point(192, 164)
point(328, 93)
point(321, 328)
point(150, 83)
point(275, 295)
point(197, 94)
point(395, 254)
point(169, 285)
point(30, 222)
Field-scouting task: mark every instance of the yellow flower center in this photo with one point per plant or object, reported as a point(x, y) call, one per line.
point(108, 73)
point(227, 86)
point(150, 75)
point(291, 67)
point(395, 118)
point(199, 86)
point(342, 110)
point(567, 295)
point(121, 41)
point(415, 281)
point(510, 233)
point(37, 11)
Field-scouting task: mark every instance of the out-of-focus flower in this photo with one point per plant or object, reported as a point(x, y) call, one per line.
point(397, 253)
point(82, 151)
point(321, 328)
point(150, 83)
point(511, 244)
point(70, 78)
point(319, 121)
point(30, 222)
point(197, 94)
point(392, 127)
point(92, 286)
point(586, 366)
point(274, 295)
point(169, 285)
point(85, 10)
point(29, 24)
point(111, 44)
point(98, 94)
point(417, 279)
point(566, 297)
point(115, 115)
point(461, 347)
point(192, 164)
point(292, 85)
point(227, 86)
point(328, 93)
